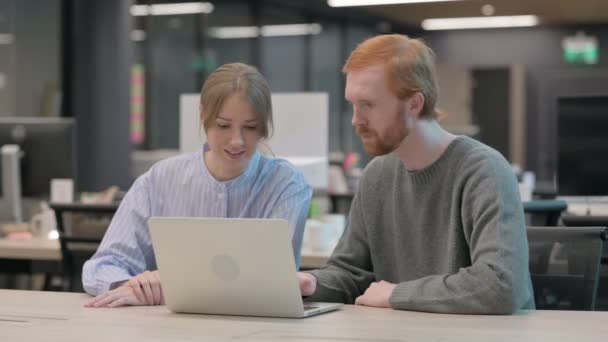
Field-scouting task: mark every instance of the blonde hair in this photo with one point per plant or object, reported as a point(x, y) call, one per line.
point(409, 66)
point(242, 79)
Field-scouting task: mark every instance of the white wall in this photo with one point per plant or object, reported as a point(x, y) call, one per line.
point(300, 134)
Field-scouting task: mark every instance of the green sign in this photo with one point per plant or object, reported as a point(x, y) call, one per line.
point(581, 49)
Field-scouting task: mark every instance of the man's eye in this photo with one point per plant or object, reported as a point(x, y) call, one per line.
point(223, 126)
point(251, 128)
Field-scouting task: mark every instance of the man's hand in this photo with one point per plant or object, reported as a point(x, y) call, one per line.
point(377, 294)
point(307, 282)
point(143, 289)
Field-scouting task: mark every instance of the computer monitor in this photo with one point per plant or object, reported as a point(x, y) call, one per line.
point(47, 150)
point(583, 146)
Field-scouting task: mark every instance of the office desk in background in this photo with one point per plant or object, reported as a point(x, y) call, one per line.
point(49, 250)
point(42, 248)
point(44, 256)
point(313, 259)
point(33, 256)
point(53, 316)
point(32, 249)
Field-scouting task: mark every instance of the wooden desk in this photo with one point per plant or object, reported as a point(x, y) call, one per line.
point(312, 260)
point(44, 249)
point(34, 256)
point(31, 315)
point(32, 249)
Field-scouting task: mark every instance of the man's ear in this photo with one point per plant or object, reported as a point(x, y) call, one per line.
point(415, 104)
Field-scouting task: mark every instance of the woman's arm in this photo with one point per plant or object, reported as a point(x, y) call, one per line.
point(126, 248)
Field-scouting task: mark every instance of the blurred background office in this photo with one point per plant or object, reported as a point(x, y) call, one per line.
point(101, 82)
point(536, 93)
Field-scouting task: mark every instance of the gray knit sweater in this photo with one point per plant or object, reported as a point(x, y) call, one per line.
point(452, 236)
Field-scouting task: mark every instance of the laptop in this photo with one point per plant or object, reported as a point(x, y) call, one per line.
point(229, 266)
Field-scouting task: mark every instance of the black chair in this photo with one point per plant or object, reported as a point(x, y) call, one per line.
point(78, 244)
point(564, 266)
point(544, 212)
point(587, 221)
point(584, 221)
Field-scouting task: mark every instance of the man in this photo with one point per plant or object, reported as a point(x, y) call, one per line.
point(436, 224)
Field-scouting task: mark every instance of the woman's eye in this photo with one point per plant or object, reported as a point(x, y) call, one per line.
point(223, 126)
point(251, 128)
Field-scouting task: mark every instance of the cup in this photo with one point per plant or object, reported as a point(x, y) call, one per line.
point(525, 192)
point(43, 223)
point(529, 178)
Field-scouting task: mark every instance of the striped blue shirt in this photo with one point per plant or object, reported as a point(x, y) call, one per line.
point(182, 186)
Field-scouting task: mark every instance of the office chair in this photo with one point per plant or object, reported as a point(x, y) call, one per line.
point(544, 212)
point(588, 221)
point(565, 265)
point(78, 243)
point(584, 221)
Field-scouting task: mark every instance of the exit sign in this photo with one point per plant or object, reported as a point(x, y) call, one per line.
point(581, 49)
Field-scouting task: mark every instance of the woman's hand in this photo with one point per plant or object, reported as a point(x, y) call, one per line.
point(143, 289)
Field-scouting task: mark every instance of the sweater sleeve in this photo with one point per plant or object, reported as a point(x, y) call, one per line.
point(348, 272)
point(498, 280)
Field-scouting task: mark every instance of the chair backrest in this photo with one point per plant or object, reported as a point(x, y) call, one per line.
point(79, 239)
point(588, 221)
point(79, 242)
point(584, 221)
point(544, 212)
point(564, 265)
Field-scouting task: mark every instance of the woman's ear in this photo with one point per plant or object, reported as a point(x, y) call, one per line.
point(201, 120)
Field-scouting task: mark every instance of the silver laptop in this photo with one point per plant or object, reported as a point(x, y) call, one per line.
point(229, 267)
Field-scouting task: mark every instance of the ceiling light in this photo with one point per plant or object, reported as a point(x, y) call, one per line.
point(172, 9)
point(479, 22)
point(350, 3)
point(236, 32)
point(290, 30)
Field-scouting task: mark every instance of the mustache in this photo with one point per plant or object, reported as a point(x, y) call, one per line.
point(363, 130)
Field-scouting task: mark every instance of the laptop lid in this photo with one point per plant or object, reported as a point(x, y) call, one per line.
point(228, 266)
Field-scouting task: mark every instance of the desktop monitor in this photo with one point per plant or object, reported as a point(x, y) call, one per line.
point(583, 146)
point(47, 150)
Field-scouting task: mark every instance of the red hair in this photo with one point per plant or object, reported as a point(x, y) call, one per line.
point(409, 65)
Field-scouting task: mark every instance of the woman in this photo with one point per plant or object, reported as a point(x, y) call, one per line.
point(228, 178)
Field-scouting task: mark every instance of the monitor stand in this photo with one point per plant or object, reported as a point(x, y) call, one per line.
point(11, 180)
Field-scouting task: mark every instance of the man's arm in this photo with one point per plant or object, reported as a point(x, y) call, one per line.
point(348, 271)
point(498, 280)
